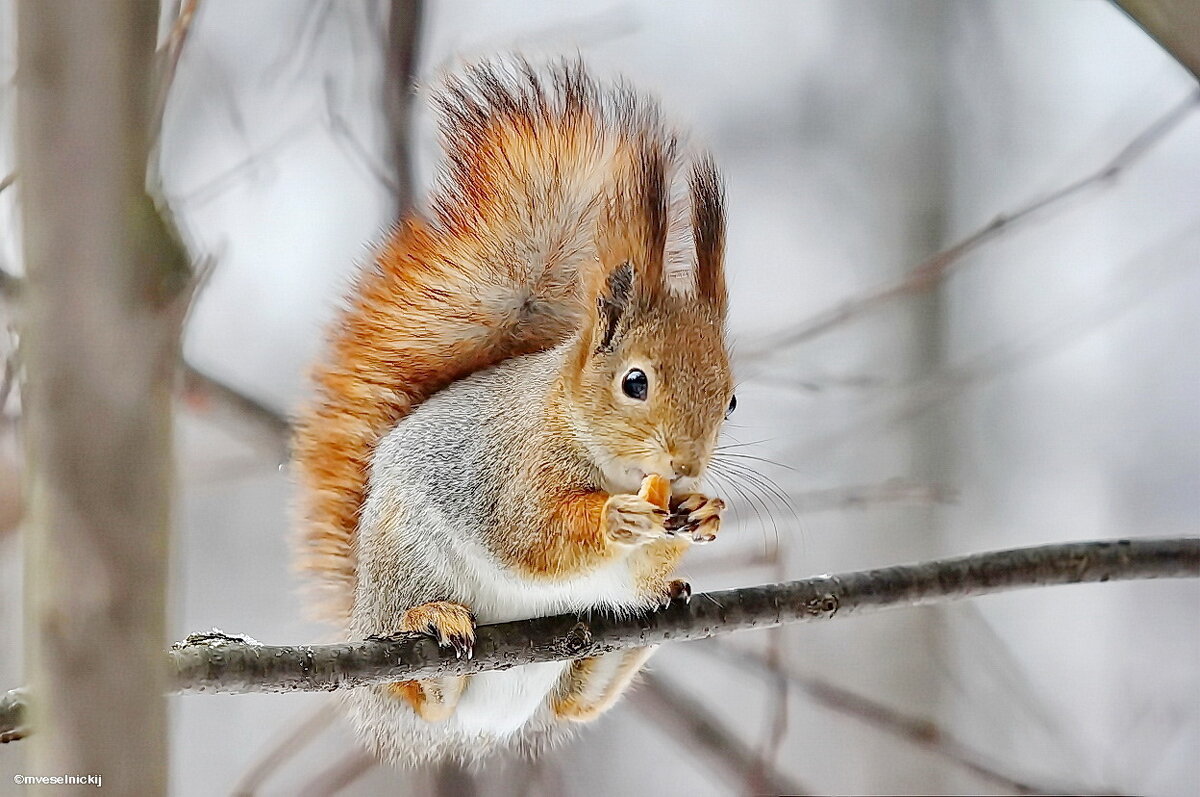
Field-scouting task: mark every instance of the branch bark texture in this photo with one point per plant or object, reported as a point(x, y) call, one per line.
point(218, 664)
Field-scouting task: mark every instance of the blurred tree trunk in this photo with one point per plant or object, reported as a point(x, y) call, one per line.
point(100, 322)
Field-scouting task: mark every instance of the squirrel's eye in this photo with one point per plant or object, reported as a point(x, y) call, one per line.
point(635, 385)
point(732, 406)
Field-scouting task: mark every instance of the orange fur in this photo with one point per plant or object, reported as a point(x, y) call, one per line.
point(420, 318)
point(572, 539)
point(590, 689)
point(502, 267)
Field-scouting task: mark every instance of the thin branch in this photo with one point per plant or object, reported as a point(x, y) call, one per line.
point(917, 731)
point(218, 663)
point(344, 771)
point(400, 71)
point(220, 666)
point(169, 54)
point(680, 713)
point(283, 749)
point(861, 496)
point(207, 394)
point(929, 273)
point(204, 393)
point(14, 709)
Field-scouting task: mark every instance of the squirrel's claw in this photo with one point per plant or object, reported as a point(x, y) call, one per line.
point(696, 518)
point(674, 591)
point(461, 644)
point(451, 624)
point(679, 589)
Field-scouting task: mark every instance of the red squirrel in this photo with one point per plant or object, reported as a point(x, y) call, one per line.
point(518, 402)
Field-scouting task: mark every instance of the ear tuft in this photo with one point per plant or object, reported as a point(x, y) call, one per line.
point(708, 232)
point(613, 303)
point(632, 228)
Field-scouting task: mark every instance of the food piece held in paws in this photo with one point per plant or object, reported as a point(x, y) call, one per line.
point(656, 490)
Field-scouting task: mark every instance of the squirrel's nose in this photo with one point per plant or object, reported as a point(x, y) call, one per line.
point(683, 467)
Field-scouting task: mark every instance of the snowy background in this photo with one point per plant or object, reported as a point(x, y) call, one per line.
point(1049, 390)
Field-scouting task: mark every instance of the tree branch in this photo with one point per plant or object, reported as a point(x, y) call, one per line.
point(400, 70)
point(207, 394)
point(218, 663)
point(1174, 24)
point(927, 274)
point(680, 713)
point(14, 709)
point(917, 731)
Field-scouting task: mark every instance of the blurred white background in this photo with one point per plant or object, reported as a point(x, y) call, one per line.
point(1049, 390)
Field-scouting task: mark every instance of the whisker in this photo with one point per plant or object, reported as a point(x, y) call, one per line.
point(766, 484)
point(763, 460)
point(743, 445)
point(753, 493)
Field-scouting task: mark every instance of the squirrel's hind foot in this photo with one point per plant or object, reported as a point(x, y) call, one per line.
point(677, 589)
point(451, 624)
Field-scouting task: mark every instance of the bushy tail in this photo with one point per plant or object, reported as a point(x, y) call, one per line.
point(496, 271)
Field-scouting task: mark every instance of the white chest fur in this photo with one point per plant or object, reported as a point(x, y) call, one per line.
point(500, 703)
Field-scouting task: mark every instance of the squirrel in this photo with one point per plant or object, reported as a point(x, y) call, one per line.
point(518, 402)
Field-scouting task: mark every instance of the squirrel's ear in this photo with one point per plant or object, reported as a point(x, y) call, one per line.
point(633, 226)
point(708, 232)
point(611, 306)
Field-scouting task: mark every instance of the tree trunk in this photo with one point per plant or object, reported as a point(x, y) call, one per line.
point(100, 322)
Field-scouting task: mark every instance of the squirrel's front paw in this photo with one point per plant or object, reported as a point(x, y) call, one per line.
point(695, 517)
point(451, 624)
point(631, 520)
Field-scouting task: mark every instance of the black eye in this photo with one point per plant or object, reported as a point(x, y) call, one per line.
point(635, 384)
point(732, 406)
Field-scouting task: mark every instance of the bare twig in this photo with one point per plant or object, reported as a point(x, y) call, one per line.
point(918, 731)
point(400, 70)
point(1142, 277)
point(14, 709)
point(284, 749)
point(671, 708)
point(169, 55)
point(220, 666)
point(344, 771)
point(206, 394)
point(936, 268)
point(892, 491)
